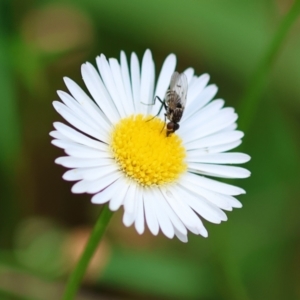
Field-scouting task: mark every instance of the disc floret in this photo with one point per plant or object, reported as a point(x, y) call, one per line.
point(144, 152)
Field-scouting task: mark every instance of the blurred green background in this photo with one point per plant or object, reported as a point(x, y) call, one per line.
point(254, 255)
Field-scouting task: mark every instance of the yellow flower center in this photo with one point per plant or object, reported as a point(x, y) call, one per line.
point(145, 153)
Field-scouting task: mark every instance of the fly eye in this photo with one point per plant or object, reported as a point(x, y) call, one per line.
point(170, 126)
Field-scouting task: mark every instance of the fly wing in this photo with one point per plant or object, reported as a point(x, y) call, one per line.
point(179, 84)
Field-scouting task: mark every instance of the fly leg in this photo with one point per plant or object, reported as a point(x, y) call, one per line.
point(164, 123)
point(163, 104)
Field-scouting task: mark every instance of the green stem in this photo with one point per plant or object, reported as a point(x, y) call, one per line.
point(252, 96)
point(79, 271)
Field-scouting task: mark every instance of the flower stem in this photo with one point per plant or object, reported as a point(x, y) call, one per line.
point(79, 271)
point(252, 95)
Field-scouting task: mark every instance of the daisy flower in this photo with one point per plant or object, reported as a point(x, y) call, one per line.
point(119, 152)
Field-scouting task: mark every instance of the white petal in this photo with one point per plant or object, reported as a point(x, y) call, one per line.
point(63, 143)
point(218, 158)
point(225, 202)
point(192, 82)
point(150, 213)
point(189, 72)
point(213, 185)
point(105, 195)
point(183, 211)
point(57, 135)
point(203, 207)
point(197, 87)
point(217, 199)
point(198, 230)
point(129, 201)
point(147, 81)
point(224, 147)
point(136, 200)
point(128, 218)
point(89, 113)
point(91, 173)
point(164, 77)
point(72, 175)
point(140, 220)
point(97, 172)
point(78, 110)
point(182, 237)
point(99, 92)
point(162, 217)
point(68, 144)
point(163, 81)
point(202, 116)
point(219, 170)
point(82, 151)
point(131, 209)
point(80, 187)
point(220, 200)
point(126, 81)
point(135, 81)
point(76, 136)
point(81, 125)
point(95, 186)
point(119, 86)
point(172, 215)
point(74, 162)
point(85, 101)
point(107, 77)
point(230, 127)
point(130, 215)
point(119, 195)
point(223, 119)
point(215, 140)
point(206, 96)
point(233, 202)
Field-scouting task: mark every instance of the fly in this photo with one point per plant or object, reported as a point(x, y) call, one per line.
point(175, 101)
